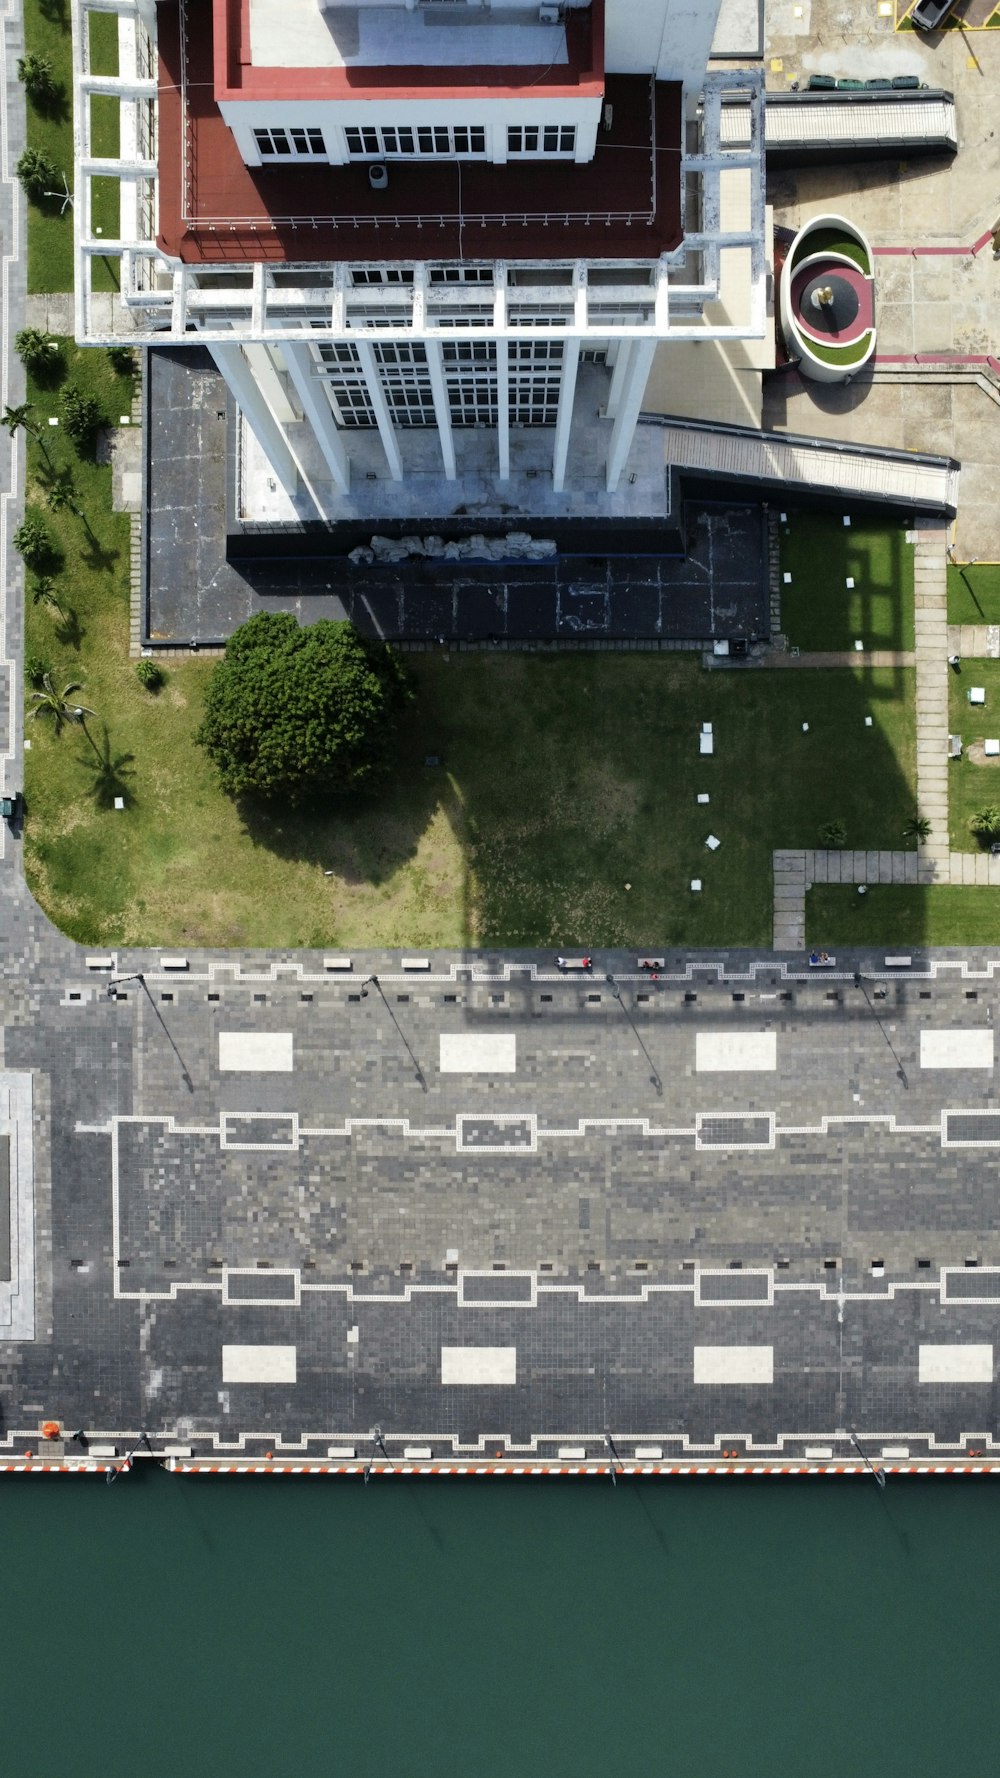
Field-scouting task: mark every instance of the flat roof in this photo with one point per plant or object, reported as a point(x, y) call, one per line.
point(213, 208)
point(576, 70)
point(304, 34)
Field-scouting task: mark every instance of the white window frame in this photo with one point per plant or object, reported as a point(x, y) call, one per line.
point(300, 142)
point(416, 142)
point(549, 141)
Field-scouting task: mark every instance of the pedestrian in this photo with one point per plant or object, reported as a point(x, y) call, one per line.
point(560, 962)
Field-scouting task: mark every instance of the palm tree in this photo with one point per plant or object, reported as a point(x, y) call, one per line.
point(16, 420)
point(61, 498)
point(44, 593)
point(57, 704)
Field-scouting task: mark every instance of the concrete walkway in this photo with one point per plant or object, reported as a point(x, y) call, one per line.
point(931, 637)
point(974, 641)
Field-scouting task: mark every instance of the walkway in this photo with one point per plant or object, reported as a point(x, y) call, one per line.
point(931, 637)
point(974, 641)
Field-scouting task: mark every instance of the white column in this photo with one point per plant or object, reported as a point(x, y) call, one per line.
point(442, 406)
point(623, 352)
point(261, 361)
point(564, 414)
point(317, 411)
point(623, 430)
point(250, 399)
point(383, 418)
point(503, 409)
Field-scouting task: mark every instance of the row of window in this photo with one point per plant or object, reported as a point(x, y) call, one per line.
point(470, 376)
point(429, 140)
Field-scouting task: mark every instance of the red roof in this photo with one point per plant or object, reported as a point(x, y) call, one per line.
point(623, 203)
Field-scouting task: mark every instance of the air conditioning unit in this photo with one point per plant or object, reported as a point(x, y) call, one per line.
point(550, 15)
point(378, 176)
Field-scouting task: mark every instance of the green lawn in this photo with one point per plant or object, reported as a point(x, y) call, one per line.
point(971, 785)
point(935, 915)
point(818, 610)
point(50, 232)
point(974, 593)
point(563, 779)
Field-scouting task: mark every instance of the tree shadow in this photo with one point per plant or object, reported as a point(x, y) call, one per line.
point(50, 371)
point(69, 630)
point(110, 772)
point(53, 106)
point(56, 11)
point(97, 555)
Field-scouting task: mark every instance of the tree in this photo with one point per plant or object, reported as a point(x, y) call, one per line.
point(16, 420)
point(38, 173)
point(833, 833)
point(917, 828)
point(60, 705)
point(36, 76)
point(44, 593)
point(32, 541)
point(36, 349)
point(298, 712)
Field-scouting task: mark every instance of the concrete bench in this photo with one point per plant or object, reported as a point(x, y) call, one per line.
point(573, 962)
point(337, 963)
point(174, 963)
point(898, 962)
point(417, 1453)
point(650, 962)
point(345, 1452)
point(648, 1454)
point(572, 1453)
point(415, 962)
point(99, 962)
point(954, 746)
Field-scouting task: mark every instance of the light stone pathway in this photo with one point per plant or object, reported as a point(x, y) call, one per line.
point(974, 641)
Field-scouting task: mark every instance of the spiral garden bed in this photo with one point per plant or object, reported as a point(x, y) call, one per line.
point(828, 300)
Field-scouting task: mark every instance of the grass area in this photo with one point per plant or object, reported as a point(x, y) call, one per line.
point(937, 914)
point(563, 779)
point(50, 230)
point(850, 353)
point(974, 593)
point(831, 240)
point(818, 609)
point(972, 784)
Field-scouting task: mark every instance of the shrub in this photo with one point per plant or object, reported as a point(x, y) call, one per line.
point(35, 668)
point(149, 674)
point(83, 415)
point(32, 541)
point(38, 173)
point(985, 823)
point(38, 350)
point(298, 712)
point(833, 833)
point(122, 359)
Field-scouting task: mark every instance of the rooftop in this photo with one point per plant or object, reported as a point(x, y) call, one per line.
point(301, 34)
point(212, 207)
point(266, 49)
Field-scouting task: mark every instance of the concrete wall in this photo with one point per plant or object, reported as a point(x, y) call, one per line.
point(671, 37)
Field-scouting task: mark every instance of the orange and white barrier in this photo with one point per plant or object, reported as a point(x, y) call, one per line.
point(596, 1471)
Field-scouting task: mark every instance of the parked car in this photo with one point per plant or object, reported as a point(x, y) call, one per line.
point(930, 15)
point(10, 806)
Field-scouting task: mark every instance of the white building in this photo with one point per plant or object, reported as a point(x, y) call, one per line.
point(457, 240)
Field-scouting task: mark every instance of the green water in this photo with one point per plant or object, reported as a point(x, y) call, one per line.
point(184, 1627)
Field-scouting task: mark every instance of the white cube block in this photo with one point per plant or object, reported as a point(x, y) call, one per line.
point(849, 581)
point(696, 884)
point(721, 646)
point(859, 647)
point(703, 796)
point(53, 421)
point(991, 749)
point(706, 728)
point(977, 694)
point(783, 517)
point(713, 842)
point(787, 579)
point(846, 519)
point(119, 802)
point(868, 722)
point(706, 743)
point(805, 728)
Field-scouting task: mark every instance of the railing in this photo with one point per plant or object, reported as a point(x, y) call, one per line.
point(435, 219)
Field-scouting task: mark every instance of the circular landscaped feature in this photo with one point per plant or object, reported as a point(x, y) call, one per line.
point(828, 300)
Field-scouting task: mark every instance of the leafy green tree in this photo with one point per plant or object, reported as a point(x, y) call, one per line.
point(32, 541)
point(38, 173)
point(149, 673)
point(299, 712)
point(61, 706)
point(38, 79)
point(833, 833)
point(36, 349)
point(35, 668)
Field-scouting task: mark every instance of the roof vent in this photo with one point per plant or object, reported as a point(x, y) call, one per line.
point(549, 15)
point(378, 176)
